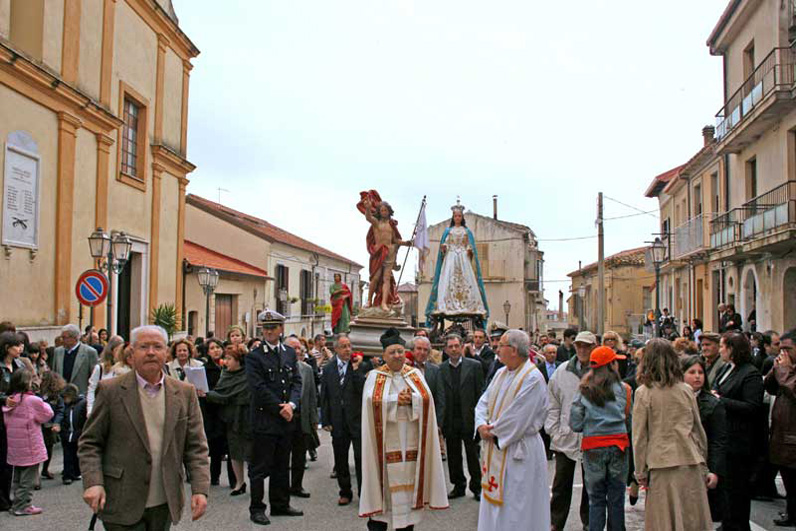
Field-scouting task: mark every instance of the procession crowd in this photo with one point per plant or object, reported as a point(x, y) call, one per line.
point(698, 423)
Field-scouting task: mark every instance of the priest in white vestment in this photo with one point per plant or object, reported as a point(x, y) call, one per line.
point(402, 472)
point(514, 490)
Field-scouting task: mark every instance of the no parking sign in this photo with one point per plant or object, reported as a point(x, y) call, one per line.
point(92, 288)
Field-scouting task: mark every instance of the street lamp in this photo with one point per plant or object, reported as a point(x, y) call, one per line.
point(506, 310)
point(112, 254)
point(658, 254)
point(582, 297)
point(208, 279)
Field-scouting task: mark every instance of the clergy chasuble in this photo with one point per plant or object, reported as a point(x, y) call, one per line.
point(402, 470)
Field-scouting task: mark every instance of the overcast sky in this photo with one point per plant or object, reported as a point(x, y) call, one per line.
point(296, 106)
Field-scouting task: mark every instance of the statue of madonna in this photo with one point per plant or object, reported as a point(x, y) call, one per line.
point(458, 288)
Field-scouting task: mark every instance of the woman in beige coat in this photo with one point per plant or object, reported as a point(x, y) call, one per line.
point(670, 445)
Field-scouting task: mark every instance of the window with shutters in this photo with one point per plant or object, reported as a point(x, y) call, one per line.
point(132, 144)
point(306, 293)
point(282, 296)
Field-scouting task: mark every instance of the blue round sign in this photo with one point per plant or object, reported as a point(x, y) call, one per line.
point(92, 288)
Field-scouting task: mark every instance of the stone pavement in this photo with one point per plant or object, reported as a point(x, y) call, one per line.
point(64, 508)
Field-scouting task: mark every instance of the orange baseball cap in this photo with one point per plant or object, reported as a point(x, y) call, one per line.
point(603, 356)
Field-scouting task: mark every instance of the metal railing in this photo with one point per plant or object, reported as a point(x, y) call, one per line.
point(766, 212)
point(775, 72)
point(689, 237)
point(773, 209)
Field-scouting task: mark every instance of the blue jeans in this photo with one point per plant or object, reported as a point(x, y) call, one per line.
point(605, 472)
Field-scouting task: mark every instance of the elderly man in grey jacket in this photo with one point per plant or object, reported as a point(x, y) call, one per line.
point(74, 361)
point(305, 435)
point(564, 442)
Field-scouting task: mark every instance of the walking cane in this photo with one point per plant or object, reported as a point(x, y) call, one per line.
point(93, 522)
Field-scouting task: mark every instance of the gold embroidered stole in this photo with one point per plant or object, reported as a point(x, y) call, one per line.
point(405, 487)
point(493, 459)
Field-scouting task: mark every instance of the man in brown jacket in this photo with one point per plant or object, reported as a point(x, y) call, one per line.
point(781, 383)
point(141, 432)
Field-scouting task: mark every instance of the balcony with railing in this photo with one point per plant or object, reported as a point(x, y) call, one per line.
point(758, 102)
point(756, 219)
point(689, 237)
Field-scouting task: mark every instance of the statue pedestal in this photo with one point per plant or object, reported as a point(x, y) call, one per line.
point(370, 324)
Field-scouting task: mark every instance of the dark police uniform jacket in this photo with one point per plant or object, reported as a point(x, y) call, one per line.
point(274, 379)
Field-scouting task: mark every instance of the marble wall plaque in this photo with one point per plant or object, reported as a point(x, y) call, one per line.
point(21, 192)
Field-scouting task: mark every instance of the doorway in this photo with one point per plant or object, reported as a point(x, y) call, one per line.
point(749, 296)
point(789, 299)
point(224, 314)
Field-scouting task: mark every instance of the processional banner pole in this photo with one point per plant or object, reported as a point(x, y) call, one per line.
point(412, 240)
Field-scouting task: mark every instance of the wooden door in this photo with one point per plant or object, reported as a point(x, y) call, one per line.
point(223, 315)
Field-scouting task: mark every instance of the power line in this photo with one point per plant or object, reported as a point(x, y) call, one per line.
point(630, 206)
point(566, 239)
point(629, 215)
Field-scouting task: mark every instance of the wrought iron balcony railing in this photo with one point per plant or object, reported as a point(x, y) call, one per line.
point(689, 237)
point(771, 210)
point(775, 72)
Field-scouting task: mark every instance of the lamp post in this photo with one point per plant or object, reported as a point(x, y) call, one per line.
point(112, 254)
point(658, 254)
point(582, 296)
point(506, 310)
point(208, 279)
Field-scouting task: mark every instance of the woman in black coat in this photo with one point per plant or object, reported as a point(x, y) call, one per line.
point(739, 386)
point(215, 428)
point(714, 421)
point(11, 347)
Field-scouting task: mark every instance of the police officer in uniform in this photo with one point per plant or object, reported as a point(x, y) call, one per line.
point(275, 385)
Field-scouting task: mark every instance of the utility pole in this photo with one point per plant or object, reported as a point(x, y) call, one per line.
point(600, 267)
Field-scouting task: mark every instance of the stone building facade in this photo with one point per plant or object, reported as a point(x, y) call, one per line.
point(287, 273)
point(729, 214)
point(94, 120)
point(512, 266)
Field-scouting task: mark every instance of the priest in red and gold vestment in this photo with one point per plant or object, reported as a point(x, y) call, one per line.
point(402, 472)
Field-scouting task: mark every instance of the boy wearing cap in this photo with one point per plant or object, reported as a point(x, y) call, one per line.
point(562, 388)
point(601, 412)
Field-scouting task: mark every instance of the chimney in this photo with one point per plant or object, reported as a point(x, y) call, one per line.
point(494, 207)
point(560, 305)
point(708, 134)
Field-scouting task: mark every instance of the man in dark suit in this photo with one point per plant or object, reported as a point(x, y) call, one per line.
point(567, 348)
point(481, 350)
point(547, 368)
point(275, 385)
point(144, 429)
point(74, 361)
point(464, 383)
point(421, 349)
point(342, 381)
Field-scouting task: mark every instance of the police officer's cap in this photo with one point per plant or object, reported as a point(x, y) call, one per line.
point(270, 317)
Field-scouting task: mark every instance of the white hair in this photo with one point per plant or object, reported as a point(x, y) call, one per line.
point(550, 345)
point(293, 342)
point(148, 329)
point(519, 340)
point(420, 338)
point(70, 330)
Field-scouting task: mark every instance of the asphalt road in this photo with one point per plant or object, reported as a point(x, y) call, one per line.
point(64, 508)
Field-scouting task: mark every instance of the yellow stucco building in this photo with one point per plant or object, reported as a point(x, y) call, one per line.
point(93, 120)
point(629, 293)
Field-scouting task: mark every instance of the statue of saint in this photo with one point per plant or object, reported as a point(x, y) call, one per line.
point(458, 287)
point(383, 240)
point(342, 302)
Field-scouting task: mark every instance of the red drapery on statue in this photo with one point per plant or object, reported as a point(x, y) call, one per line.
point(379, 253)
point(338, 302)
